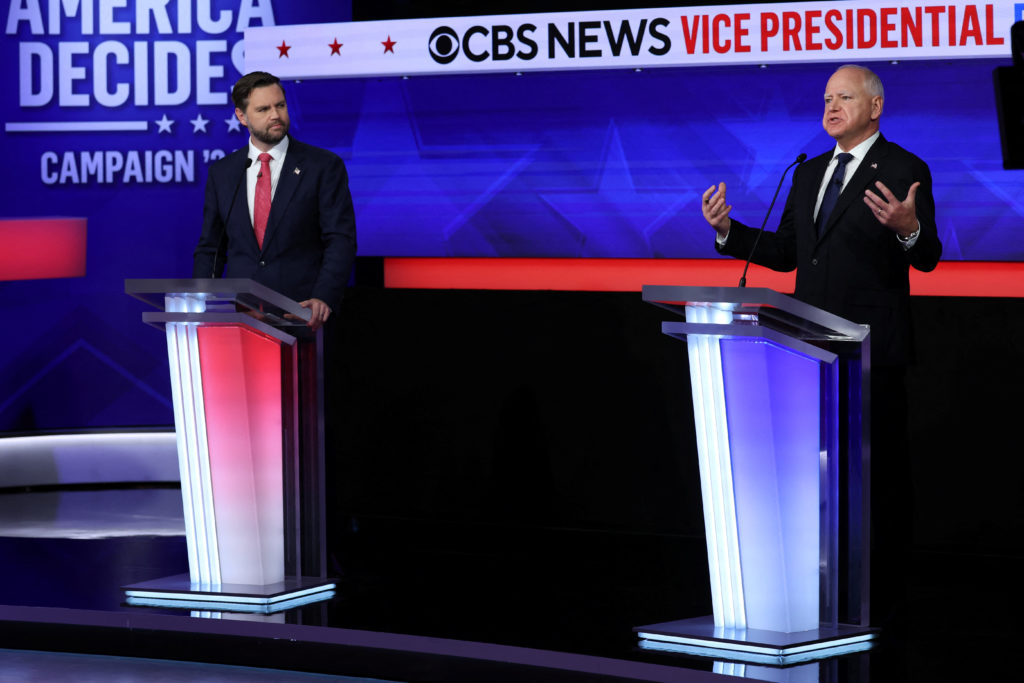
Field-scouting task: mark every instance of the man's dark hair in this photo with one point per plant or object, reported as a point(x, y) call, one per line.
point(247, 83)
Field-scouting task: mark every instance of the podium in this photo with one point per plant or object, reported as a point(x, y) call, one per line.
point(247, 390)
point(780, 400)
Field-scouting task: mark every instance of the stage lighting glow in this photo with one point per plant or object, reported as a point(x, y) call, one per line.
point(213, 603)
point(716, 469)
point(229, 598)
point(759, 457)
point(193, 455)
point(758, 654)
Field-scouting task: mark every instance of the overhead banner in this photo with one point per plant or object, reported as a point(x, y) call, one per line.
point(641, 38)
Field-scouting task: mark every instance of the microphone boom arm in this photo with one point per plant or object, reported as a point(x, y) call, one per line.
point(743, 278)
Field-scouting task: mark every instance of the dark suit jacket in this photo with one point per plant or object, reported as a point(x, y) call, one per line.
point(857, 269)
point(310, 243)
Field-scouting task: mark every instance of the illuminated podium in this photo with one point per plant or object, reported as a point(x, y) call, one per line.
point(248, 413)
point(780, 400)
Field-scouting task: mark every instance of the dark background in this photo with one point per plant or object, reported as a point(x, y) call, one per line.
point(542, 442)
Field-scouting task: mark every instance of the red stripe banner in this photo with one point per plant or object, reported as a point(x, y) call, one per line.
point(37, 248)
point(951, 278)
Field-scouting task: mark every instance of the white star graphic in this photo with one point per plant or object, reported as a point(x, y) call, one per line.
point(164, 124)
point(199, 123)
point(234, 125)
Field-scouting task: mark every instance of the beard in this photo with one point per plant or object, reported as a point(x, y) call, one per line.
point(268, 136)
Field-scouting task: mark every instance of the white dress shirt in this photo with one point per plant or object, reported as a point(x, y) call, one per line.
point(858, 152)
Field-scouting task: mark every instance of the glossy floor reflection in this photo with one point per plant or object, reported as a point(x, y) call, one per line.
point(552, 590)
point(85, 514)
point(22, 665)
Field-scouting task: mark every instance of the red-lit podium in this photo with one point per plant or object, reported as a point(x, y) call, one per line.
point(248, 412)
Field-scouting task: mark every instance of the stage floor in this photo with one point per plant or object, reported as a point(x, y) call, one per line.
point(29, 665)
point(425, 601)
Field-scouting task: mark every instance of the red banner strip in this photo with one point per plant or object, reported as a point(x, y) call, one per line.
point(951, 278)
point(37, 248)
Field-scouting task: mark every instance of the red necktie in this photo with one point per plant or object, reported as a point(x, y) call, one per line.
point(261, 203)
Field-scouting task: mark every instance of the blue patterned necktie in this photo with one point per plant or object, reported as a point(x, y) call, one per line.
point(835, 186)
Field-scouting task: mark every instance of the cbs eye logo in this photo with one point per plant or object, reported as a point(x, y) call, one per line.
point(444, 45)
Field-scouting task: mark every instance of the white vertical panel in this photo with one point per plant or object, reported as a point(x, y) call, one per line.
point(193, 454)
point(716, 470)
point(180, 434)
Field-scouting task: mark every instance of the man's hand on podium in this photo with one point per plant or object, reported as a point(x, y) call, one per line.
point(321, 312)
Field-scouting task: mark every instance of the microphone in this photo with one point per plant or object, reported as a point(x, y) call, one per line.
point(799, 160)
point(231, 206)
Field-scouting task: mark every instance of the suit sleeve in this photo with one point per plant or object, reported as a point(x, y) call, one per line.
point(927, 250)
point(207, 261)
point(337, 233)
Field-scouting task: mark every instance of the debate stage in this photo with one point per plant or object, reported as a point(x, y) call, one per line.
point(514, 522)
point(428, 605)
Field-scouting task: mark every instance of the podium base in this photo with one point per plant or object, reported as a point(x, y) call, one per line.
point(180, 593)
point(700, 637)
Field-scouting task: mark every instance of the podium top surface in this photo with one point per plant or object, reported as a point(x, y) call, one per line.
point(224, 295)
point(759, 306)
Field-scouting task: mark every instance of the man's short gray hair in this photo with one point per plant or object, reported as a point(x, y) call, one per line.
point(872, 83)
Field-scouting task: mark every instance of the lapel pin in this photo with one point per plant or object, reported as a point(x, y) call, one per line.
point(297, 171)
point(875, 165)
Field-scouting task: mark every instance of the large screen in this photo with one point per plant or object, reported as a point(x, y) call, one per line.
point(113, 114)
point(612, 163)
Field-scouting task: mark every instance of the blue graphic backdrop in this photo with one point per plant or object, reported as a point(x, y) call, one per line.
point(74, 353)
point(577, 164)
point(611, 163)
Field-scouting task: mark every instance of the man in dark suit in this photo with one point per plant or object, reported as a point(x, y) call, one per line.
point(278, 211)
point(855, 262)
point(856, 220)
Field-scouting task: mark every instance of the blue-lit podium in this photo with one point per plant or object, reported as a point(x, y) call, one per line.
point(248, 412)
point(780, 401)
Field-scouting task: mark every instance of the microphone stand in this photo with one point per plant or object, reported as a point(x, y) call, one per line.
point(799, 160)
